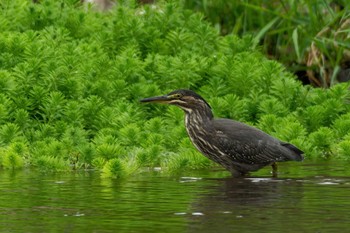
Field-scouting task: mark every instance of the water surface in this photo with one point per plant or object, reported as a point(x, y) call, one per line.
point(306, 197)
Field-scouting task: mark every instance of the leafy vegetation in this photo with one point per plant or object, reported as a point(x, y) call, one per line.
point(71, 79)
point(310, 37)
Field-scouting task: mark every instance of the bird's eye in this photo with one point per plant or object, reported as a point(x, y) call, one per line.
point(177, 96)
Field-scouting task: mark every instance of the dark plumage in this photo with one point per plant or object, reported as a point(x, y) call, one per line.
point(238, 147)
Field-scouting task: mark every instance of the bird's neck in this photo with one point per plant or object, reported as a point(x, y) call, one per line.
point(198, 126)
point(198, 117)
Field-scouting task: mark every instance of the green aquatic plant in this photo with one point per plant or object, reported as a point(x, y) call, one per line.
point(12, 160)
point(114, 168)
point(341, 125)
point(150, 156)
point(268, 122)
point(117, 168)
point(14, 156)
point(273, 106)
point(323, 139)
point(51, 163)
point(342, 149)
point(109, 151)
point(21, 119)
point(71, 79)
point(8, 133)
point(130, 135)
point(186, 159)
point(86, 154)
point(290, 128)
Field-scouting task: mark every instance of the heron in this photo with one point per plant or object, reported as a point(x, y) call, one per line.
point(236, 146)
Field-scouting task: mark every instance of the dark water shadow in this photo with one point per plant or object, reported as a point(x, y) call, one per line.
point(235, 193)
point(312, 193)
point(243, 202)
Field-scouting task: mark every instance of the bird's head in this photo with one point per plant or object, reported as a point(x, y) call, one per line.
point(186, 99)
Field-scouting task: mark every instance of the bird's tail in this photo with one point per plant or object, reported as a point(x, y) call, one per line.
point(297, 153)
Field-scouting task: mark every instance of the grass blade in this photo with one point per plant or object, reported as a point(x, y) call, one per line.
point(263, 31)
point(296, 43)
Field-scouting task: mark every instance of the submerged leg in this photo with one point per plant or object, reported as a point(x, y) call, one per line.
point(236, 173)
point(274, 169)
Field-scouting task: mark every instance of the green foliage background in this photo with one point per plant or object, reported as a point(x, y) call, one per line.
point(71, 79)
point(314, 33)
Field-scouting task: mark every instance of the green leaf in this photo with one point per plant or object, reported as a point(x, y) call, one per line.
point(264, 30)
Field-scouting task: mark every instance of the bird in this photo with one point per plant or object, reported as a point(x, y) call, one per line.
point(236, 146)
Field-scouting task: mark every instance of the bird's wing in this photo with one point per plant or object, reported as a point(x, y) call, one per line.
point(247, 144)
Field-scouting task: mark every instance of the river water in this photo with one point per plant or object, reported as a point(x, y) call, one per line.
point(306, 197)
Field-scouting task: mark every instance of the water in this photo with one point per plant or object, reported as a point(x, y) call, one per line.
point(306, 197)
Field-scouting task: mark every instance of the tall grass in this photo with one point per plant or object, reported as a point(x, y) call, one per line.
point(310, 37)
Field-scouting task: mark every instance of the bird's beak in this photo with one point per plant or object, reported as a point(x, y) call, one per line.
point(157, 99)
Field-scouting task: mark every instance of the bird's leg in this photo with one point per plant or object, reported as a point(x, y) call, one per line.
point(237, 174)
point(274, 169)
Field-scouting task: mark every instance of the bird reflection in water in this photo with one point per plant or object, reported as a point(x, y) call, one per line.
point(251, 200)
